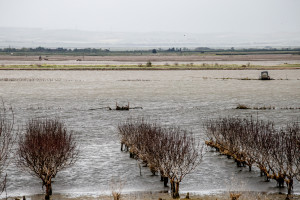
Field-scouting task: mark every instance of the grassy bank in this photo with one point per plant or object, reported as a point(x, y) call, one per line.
point(152, 67)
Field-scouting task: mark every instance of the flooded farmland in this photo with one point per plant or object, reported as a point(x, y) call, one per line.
point(184, 98)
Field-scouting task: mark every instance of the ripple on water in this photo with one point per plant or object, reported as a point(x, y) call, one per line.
point(167, 97)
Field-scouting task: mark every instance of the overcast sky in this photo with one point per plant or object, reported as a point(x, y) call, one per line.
point(197, 16)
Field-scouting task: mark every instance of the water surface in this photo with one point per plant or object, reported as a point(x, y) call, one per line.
point(185, 98)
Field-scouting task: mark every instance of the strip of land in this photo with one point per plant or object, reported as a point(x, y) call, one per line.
point(151, 62)
point(158, 57)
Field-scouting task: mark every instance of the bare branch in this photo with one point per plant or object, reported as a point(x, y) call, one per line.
point(46, 148)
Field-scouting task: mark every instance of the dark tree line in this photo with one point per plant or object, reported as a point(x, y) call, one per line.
point(276, 152)
point(171, 151)
point(95, 51)
point(53, 50)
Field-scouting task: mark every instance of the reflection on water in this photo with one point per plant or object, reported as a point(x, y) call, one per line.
point(185, 98)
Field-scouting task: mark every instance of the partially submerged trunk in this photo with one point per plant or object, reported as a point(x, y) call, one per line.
point(172, 183)
point(290, 188)
point(48, 190)
point(152, 169)
point(176, 192)
point(166, 181)
point(280, 182)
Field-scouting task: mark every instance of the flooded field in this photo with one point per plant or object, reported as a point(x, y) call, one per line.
point(184, 98)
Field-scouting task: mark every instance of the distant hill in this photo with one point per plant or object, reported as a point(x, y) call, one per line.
point(34, 37)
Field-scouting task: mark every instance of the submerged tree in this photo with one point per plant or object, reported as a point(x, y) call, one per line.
point(275, 152)
point(46, 148)
point(285, 155)
point(171, 151)
point(6, 141)
point(182, 154)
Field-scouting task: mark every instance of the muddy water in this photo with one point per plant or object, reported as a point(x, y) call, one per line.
point(185, 98)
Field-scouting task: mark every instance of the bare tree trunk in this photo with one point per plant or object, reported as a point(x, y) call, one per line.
point(238, 163)
point(172, 188)
point(280, 182)
point(176, 193)
point(131, 155)
point(152, 169)
point(140, 169)
point(166, 181)
point(153, 172)
point(261, 173)
point(48, 190)
point(290, 186)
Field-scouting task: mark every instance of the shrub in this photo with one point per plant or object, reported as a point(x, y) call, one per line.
point(149, 64)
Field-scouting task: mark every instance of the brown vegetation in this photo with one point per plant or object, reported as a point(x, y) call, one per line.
point(116, 186)
point(46, 148)
point(171, 151)
point(275, 152)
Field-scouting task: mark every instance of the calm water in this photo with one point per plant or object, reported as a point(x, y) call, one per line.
point(185, 98)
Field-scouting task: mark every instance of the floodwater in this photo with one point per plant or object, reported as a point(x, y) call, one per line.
point(184, 98)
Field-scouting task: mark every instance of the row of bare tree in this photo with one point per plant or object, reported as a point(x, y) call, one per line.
point(44, 148)
point(276, 152)
point(171, 151)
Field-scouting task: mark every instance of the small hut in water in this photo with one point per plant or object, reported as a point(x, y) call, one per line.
point(264, 75)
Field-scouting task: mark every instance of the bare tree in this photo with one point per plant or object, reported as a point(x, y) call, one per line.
point(171, 151)
point(285, 155)
point(46, 148)
point(276, 152)
point(6, 141)
point(182, 154)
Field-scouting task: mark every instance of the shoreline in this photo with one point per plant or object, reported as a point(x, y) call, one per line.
point(245, 195)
